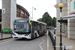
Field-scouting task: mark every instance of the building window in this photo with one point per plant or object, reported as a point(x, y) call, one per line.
point(22, 14)
point(25, 14)
point(18, 12)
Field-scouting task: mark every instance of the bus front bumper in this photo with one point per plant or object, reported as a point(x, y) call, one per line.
point(22, 36)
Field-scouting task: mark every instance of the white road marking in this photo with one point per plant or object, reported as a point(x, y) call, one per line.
point(41, 43)
point(47, 42)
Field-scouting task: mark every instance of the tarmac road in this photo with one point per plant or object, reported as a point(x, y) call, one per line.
point(24, 44)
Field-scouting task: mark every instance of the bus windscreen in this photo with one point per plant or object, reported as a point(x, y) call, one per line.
point(24, 27)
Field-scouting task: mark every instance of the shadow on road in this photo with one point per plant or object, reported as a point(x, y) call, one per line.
point(23, 39)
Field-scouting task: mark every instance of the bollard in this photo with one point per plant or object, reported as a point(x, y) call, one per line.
point(64, 47)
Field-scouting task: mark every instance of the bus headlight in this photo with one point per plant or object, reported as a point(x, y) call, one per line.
point(26, 34)
point(29, 35)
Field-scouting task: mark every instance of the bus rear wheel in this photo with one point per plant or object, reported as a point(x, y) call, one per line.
point(35, 35)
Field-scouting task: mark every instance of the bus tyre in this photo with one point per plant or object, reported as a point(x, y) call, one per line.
point(31, 36)
point(35, 35)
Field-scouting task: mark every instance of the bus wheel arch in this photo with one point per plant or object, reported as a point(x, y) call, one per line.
point(35, 32)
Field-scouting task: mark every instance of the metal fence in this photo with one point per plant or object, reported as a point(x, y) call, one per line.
point(53, 39)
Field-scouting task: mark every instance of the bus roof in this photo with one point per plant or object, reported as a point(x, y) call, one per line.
point(22, 19)
point(39, 22)
point(33, 21)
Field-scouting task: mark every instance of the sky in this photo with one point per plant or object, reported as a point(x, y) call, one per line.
point(41, 6)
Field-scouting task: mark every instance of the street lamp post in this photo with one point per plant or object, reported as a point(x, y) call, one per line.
point(32, 11)
point(32, 18)
point(60, 6)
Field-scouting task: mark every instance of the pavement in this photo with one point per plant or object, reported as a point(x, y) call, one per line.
point(69, 43)
point(49, 43)
point(5, 35)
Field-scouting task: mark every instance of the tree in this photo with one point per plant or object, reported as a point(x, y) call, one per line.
point(47, 19)
point(54, 22)
point(40, 19)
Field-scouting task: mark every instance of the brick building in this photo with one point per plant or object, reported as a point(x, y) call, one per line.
point(22, 12)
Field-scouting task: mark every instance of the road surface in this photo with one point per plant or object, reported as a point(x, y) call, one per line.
point(24, 44)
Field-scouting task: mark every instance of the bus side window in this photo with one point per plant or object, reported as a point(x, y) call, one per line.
point(29, 27)
point(44, 26)
point(34, 26)
point(40, 26)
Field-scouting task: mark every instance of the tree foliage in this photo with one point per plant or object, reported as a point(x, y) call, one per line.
point(40, 19)
point(54, 22)
point(46, 18)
